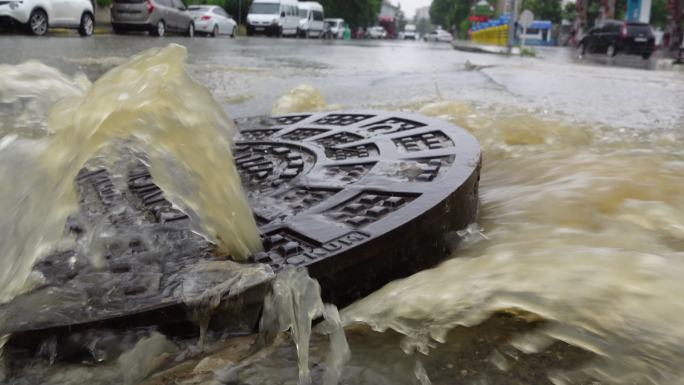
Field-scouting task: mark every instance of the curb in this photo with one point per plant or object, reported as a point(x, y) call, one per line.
point(96, 31)
point(495, 50)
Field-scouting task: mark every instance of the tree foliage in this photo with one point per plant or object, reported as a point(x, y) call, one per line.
point(544, 9)
point(569, 12)
point(423, 26)
point(358, 13)
point(659, 13)
point(449, 12)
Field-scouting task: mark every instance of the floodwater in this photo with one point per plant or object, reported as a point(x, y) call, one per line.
point(138, 102)
point(571, 274)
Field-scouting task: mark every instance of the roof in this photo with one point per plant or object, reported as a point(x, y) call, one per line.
point(541, 24)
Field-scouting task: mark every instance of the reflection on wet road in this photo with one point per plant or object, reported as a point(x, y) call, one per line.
point(247, 75)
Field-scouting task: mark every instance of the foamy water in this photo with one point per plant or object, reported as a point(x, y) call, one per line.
point(157, 108)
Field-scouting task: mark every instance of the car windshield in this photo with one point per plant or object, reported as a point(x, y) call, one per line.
point(265, 8)
point(195, 8)
point(302, 13)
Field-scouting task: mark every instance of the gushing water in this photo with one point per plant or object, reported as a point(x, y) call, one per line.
point(580, 233)
point(153, 104)
point(293, 305)
point(580, 226)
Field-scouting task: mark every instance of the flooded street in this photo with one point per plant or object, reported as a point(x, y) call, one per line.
point(571, 274)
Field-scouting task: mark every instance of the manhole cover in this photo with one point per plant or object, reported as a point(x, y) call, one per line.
point(360, 198)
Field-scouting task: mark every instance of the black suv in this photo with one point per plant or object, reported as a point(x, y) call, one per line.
point(612, 36)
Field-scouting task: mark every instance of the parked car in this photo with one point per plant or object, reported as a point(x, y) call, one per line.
point(612, 37)
point(376, 32)
point(334, 28)
point(438, 36)
point(40, 15)
point(212, 20)
point(154, 16)
point(410, 32)
point(273, 18)
point(310, 19)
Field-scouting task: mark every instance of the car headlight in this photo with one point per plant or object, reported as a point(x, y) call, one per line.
point(15, 4)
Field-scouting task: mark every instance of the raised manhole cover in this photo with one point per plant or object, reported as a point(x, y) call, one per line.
point(359, 198)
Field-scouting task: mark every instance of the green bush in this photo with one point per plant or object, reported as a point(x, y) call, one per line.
point(526, 51)
point(104, 3)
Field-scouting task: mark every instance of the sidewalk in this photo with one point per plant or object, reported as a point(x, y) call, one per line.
point(463, 45)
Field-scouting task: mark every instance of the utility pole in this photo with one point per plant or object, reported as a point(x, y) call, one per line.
point(511, 25)
point(239, 12)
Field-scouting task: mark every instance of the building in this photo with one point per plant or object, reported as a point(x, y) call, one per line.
point(388, 10)
point(422, 13)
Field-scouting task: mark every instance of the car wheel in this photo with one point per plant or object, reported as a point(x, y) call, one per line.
point(646, 56)
point(215, 31)
point(611, 51)
point(87, 25)
point(232, 34)
point(191, 30)
point(280, 32)
point(159, 30)
point(38, 22)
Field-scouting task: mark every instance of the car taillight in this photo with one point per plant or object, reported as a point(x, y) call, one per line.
point(624, 30)
point(150, 6)
point(205, 17)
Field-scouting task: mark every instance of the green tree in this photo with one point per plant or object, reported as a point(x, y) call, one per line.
point(659, 13)
point(439, 11)
point(236, 8)
point(569, 12)
point(544, 9)
point(358, 13)
point(423, 26)
point(401, 18)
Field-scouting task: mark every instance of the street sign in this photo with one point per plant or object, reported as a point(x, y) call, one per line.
point(526, 19)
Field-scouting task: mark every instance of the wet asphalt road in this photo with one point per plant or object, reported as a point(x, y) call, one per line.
point(247, 75)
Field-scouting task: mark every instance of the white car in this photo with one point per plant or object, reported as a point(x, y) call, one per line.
point(40, 15)
point(439, 35)
point(212, 20)
point(376, 33)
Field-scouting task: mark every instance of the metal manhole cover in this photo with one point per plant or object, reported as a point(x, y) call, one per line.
point(360, 198)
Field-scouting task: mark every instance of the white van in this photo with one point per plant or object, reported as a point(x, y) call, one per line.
point(311, 19)
point(273, 18)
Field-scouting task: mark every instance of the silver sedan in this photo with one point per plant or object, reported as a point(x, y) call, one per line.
point(212, 20)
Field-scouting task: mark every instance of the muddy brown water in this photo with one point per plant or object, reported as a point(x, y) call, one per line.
point(570, 275)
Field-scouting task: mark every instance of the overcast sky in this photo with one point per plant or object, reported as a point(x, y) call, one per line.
point(409, 6)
